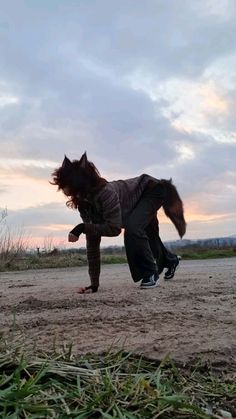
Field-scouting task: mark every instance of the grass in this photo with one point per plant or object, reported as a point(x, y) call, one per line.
point(60, 260)
point(65, 260)
point(44, 262)
point(109, 385)
point(207, 253)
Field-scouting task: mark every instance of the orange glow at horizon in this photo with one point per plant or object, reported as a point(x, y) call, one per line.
point(22, 191)
point(65, 228)
point(56, 227)
point(194, 215)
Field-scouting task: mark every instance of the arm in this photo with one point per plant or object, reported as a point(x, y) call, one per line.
point(93, 252)
point(110, 226)
point(94, 263)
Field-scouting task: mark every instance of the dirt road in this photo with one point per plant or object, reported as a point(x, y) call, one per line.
point(194, 314)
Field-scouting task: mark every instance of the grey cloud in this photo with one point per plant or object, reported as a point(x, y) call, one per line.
point(45, 63)
point(69, 62)
point(106, 116)
point(42, 216)
point(124, 37)
point(210, 179)
point(212, 160)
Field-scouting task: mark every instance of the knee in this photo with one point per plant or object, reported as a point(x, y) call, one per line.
point(130, 228)
point(133, 230)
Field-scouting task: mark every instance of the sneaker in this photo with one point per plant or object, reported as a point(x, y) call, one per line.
point(149, 282)
point(169, 274)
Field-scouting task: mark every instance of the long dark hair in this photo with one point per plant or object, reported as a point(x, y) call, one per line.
point(79, 178)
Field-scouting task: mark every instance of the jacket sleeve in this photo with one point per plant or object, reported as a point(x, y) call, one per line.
point(93, 251)
point(93, 257)
point(111, 224)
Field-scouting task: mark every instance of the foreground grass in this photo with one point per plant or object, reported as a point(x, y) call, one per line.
point(109, 386)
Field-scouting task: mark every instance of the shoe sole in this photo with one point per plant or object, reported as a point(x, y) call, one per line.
point(146, 287)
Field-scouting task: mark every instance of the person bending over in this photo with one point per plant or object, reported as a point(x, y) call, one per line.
point(132, 204)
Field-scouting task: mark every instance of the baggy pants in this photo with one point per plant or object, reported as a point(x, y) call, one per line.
point(146, 254)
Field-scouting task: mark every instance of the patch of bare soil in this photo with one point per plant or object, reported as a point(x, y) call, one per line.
point(192, 315)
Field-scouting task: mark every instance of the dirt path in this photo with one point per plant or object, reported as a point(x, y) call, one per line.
point(191, 315)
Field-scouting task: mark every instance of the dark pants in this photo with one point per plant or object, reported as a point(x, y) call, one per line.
point(145, 251)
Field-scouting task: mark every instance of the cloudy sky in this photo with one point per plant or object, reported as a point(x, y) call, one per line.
point(142, 86)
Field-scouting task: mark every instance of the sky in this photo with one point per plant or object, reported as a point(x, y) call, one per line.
point(142, 86)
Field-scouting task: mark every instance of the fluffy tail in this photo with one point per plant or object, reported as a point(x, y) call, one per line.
point(173, 207)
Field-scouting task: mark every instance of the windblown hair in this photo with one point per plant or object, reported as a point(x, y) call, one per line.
point(79, 177)
point(173, 207)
